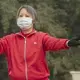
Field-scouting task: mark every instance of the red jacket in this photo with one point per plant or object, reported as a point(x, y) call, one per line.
point(26, 54)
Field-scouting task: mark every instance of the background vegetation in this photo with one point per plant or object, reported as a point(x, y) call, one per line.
point(60, 18)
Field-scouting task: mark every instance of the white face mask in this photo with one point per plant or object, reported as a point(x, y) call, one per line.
point(24, 23)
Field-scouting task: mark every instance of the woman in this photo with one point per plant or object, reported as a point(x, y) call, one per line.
point(26, 51)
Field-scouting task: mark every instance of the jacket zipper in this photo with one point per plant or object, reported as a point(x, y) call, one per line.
point(26, 74)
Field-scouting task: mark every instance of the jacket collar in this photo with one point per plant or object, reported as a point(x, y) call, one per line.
point(26, 35)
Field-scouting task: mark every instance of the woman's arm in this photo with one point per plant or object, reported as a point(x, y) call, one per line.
point(53, 44)
point(3, 45)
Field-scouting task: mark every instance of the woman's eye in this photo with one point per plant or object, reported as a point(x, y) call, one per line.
point(24, 16)
point(20, 15)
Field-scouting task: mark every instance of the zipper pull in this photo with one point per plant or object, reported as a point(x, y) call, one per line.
point(25, 39)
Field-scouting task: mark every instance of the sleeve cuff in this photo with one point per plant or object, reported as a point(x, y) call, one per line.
point(67, 43)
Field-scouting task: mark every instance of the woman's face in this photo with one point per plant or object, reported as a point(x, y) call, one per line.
point(25, 20)
point(24, 13)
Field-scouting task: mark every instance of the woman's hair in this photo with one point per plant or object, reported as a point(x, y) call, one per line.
point(30, 10)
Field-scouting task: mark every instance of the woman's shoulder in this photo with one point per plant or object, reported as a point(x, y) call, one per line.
point(8, 36)
point(41, 33)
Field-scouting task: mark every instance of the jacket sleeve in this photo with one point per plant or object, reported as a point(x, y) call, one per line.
point(54, 44)
point(3, 45)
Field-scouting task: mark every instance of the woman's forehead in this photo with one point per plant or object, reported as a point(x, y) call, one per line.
point(23, 10)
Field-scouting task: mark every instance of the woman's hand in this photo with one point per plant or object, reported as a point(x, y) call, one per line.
point(74, 42)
